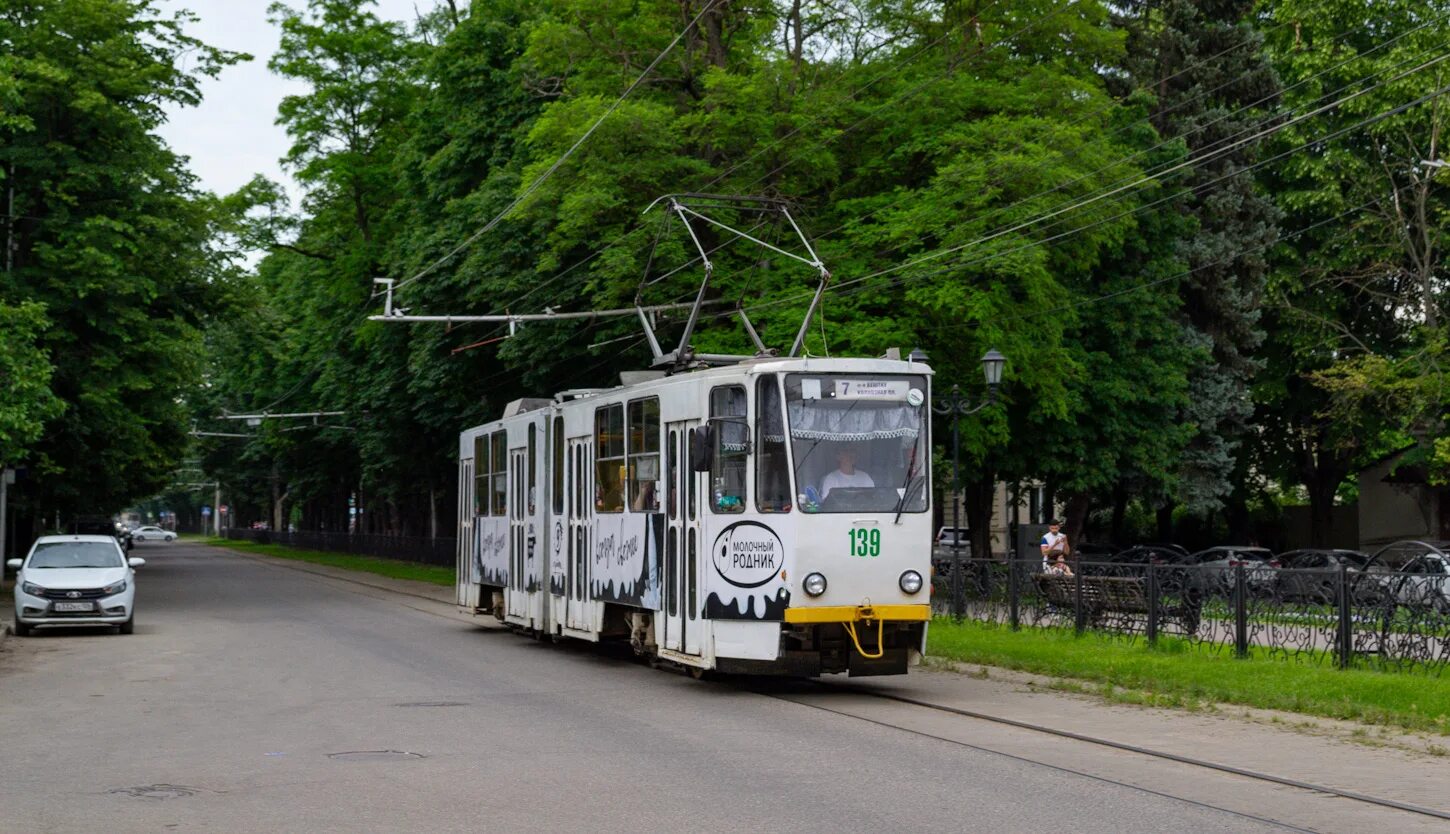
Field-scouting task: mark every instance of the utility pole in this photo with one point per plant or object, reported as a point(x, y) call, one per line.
point(6, 473)
point(216, 511)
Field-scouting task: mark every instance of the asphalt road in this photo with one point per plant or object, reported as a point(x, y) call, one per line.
point(228, 707)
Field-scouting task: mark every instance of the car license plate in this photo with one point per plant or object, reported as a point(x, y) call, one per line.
point(75, 606)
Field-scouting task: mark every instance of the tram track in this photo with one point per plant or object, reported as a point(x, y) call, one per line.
point(1082, 738)
point(771, 688)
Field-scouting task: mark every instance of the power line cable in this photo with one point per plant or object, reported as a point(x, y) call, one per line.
point(1031, 244)
point(541, 179)
point(1172, 169)
point(1184, 273)
point(1051, 239)
point(637, 229)
point(1168, 140)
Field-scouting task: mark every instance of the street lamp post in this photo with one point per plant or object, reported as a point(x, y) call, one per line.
point(957, 406)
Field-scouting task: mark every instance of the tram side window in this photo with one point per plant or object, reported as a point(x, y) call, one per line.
point(772, 474)
point(499, 442)
point(480, 475)
point(732, 439)
point(556, 446)
point(644, 455)
point(609, 459)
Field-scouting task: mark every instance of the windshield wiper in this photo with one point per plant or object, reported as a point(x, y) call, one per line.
point(910, 470)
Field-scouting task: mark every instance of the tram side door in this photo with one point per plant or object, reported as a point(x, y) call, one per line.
point(681, 603)
point(518, 535)
point(580, 510)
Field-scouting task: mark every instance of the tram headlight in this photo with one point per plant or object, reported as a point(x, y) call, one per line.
point(814, 584)
point(910, 582)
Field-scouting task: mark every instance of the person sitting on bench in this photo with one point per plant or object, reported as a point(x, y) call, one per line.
point(1055, 550)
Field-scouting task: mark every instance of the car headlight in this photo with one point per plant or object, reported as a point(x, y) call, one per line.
point(32, 589)
point(910, 582)
point(114, 588)
point(814, 584)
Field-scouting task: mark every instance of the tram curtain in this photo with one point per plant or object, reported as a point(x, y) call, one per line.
point(814, 420)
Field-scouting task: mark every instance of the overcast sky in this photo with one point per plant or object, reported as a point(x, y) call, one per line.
point(232, 135)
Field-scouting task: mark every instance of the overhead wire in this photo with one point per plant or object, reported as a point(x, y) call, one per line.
point(1183, 273)
point(839, 286)
point(1163, 142)
point(1031, 244)
point(1197, 128)
point(1034, 221)
point(1170, 169)
point(549, 172)
point(900, 67)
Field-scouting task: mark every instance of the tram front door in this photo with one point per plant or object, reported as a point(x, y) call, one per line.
point(681, 603)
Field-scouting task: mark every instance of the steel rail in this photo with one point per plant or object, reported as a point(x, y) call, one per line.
point(1039, 763)
point(1128, 748)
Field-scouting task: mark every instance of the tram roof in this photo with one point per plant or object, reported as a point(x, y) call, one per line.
point(741, 370)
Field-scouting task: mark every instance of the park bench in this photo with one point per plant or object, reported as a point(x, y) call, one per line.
point(1106, 595)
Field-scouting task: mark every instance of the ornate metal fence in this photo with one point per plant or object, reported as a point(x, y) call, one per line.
point(421, 549)
point(1326, 616)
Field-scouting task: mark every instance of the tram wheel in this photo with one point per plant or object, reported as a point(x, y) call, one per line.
point(697, 673)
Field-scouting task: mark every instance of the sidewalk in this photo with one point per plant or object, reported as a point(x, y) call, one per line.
point(1378, 761)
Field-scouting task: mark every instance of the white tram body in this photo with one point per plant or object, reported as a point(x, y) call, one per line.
point(771, 516)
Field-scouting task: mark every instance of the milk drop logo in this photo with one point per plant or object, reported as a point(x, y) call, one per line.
point(748, 554)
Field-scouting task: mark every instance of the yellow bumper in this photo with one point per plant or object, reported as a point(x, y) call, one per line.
point(859, 613)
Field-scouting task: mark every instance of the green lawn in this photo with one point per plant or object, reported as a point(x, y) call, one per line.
point(367, 564)
point(1174, 674)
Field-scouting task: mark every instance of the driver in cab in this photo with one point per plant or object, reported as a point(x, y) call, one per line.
point(846, 475)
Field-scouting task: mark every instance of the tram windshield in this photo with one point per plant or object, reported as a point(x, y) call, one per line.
point(858, 442)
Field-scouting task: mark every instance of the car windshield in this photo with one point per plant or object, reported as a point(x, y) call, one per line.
point(75, 555)
point(859, 441)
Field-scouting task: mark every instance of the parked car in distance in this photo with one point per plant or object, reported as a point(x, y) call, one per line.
point(1094, 551)
point(1173, 567)
point(75, 580)
point(99, 525)
point(152, 533)
point(941, 553)
point(1312, 575)
point(1418, 573)
point(1218, 565)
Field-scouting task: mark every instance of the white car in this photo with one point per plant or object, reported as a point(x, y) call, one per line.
point(75, 581)
point(1425, 582)
point(151, 533)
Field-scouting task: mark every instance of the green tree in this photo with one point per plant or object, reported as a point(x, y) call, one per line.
point(110, 235)
point(25, 373)
point(1207, 65)
point(1357, 297)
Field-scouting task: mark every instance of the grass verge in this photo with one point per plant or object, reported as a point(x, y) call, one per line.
point(1175, 674)
point(393, 568)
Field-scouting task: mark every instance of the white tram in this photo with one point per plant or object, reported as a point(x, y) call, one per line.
point(770, 516)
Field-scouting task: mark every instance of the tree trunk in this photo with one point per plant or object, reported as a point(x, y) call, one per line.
point(1165, 522)
point(713, 25)
point(1322, 470)
point(1076, 511)
point(1236, 512)
point(1120, 513)
point(977, 494)
point(432, 513)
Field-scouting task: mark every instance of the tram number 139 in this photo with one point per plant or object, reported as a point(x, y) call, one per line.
point(865, 542)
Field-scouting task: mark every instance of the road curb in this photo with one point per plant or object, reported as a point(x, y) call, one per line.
point(4, 632)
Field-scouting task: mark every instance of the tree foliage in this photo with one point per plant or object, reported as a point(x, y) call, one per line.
point(110, 236)
point(1079, 185)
